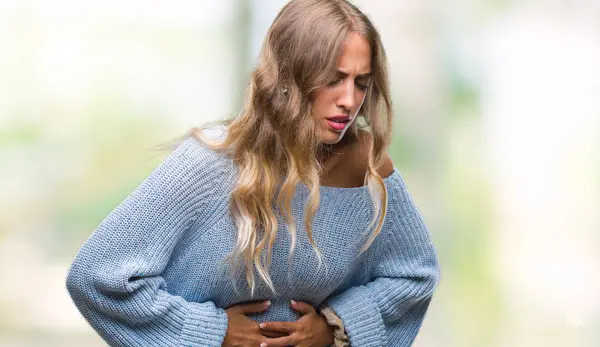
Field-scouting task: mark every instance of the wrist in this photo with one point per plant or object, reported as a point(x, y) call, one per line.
point(335, 327)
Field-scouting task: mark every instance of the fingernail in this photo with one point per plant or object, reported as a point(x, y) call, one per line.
point(264, 344)
point(294, 302)
point(268, 303)
point(262, 325)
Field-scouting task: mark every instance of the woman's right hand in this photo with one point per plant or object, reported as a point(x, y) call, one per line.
point(241, 330)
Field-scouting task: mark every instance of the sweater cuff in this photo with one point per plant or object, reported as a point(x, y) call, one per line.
point(204, 325)
point(361, 316)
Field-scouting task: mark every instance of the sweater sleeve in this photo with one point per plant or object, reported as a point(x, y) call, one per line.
point(389, 310)
point(115, 279)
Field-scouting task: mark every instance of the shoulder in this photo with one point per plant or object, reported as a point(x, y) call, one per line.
point(191, 150)
point(190, 153)
point(361, 153)
point(195, 164)
point(387, 167)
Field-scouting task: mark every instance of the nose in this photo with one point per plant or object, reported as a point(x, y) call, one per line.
point(347, 99)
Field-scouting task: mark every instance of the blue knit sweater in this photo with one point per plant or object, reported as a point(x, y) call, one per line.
point(152, 273)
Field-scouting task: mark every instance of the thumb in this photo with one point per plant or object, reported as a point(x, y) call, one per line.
point(253, 307)
point(302, 307)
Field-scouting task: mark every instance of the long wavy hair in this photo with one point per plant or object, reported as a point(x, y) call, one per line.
point(275, 141)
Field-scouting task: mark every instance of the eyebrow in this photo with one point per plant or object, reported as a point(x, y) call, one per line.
point(365, 75)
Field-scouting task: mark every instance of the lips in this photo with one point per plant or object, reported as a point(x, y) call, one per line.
point(339, 119)
point(338, 123)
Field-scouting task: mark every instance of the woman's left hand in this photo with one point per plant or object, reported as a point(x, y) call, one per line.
point(311, 330)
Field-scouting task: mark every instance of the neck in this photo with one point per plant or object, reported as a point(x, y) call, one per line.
point(330, 155)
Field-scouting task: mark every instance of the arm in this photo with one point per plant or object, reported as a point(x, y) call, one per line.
point(389, 310)
point(115, 280)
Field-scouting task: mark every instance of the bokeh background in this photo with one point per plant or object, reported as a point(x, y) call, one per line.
point(497, 133)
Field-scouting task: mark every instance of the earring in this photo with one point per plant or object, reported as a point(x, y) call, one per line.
point(285, 90)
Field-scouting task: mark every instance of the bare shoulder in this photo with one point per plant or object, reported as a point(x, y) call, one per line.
point(385, 169)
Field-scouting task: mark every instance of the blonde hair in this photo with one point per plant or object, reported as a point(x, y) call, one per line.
point(274, 140)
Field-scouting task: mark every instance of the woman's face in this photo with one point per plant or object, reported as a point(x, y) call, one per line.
point(337, 103)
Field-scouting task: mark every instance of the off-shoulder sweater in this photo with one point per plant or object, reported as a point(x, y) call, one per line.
point(153, 272)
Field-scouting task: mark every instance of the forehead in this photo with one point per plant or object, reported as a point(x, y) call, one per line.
point(356, 56)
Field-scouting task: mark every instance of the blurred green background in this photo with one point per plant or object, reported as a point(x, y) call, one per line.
point(497, 133)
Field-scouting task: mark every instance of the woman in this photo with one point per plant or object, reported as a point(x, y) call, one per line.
point(292, 227)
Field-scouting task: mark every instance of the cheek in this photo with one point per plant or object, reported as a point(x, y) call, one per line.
point(319, 108)
point(360, 96)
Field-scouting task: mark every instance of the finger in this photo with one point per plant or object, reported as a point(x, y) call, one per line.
point(302, 307)
point(280, 342)
point(273, 334)
point(253, 307)
point(284, 327)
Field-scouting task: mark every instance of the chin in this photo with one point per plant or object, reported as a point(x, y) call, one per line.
point(331, 138)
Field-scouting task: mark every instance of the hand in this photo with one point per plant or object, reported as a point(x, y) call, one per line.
point(241, 330)
point(311, 330)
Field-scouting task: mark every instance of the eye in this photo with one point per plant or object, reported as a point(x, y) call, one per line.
point(335, 82)
point(362, 86)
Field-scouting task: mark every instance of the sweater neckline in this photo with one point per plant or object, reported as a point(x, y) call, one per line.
point(362, 188)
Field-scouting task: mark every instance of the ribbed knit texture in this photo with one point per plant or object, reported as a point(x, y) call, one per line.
point(152, 273)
